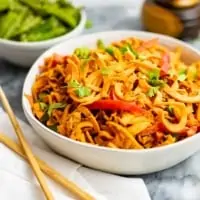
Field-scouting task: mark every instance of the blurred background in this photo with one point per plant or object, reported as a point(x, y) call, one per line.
point(177, 18)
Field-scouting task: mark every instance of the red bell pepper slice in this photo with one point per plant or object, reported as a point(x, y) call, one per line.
point(164, 65)
point(108, 104)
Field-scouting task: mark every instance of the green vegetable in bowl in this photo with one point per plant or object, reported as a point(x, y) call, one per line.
point(29, 23)
point(64, 3)
point(4, 5)
point(10, 23)
point(15, 5)
point(36, 20)
point(67, 14)
point(49, 28)
point(35, 5)
point(71, 18)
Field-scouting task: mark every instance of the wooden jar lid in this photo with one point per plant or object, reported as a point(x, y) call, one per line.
point(179, 3)
point(188, 13)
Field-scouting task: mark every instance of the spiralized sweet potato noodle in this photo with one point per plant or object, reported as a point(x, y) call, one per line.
point(133, 94)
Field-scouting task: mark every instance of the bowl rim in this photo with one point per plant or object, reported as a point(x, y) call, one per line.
point(31, 117)
point(52, 41)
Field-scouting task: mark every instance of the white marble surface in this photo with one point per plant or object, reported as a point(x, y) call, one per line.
point(181, 182)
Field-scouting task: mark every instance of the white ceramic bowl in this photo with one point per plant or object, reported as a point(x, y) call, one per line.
point(25, 53)
point(102, 158)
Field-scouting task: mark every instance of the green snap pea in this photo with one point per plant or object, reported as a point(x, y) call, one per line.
point(15, 5)
point(29, 23)
point(4, 5)
point(71, 18)
point(10, 22)
point(36, 20)
point(35, 5)
point(48, 29)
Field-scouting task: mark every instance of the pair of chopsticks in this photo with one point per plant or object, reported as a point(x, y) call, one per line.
point(36, 164)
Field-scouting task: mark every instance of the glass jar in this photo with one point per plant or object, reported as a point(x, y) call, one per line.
point(177, 18)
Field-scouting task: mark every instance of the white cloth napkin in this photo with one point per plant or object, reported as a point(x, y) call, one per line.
point(18, 182)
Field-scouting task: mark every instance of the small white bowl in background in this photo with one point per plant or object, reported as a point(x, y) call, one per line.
point(25, 53)
point(107, 159)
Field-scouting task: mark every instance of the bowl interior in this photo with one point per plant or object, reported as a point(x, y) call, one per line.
point(189, 53)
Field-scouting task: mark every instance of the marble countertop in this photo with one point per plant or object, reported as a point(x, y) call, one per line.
point(181, 182)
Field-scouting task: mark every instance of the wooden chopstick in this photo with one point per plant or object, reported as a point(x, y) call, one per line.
point(26, 148)
point(52, 173)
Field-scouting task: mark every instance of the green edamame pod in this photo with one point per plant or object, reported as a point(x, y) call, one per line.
point(63, 11)
point(68, 15)
point(35, 20)
point(10, 22)
point(4, 5)
point(64, 3)
point(50, 28)
point(15, 5)
point(36, 5)
point(29, 23)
